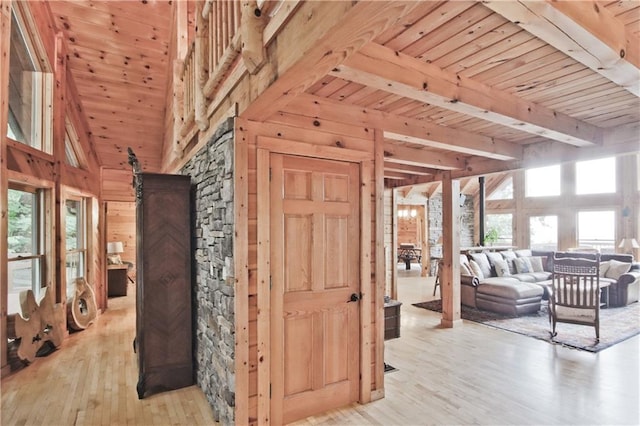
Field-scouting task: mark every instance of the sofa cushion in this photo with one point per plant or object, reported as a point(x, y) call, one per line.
point(476, 270)
point(616, 269)
point(523, 265)
point(527, 277)
point(501, 267)
point(510, 291)
point(509, 256)
point(604, 267)
point(523, 253)
point(493, 256)
point(482, 261)
point(536, 264)
point(464, 269)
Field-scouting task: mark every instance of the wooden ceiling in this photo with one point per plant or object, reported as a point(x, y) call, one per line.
point(459, 80)
point(118, 54)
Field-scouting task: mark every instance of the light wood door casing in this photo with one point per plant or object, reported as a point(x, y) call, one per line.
point(315, 258)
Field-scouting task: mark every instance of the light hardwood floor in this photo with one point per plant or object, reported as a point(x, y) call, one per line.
point(471, 374)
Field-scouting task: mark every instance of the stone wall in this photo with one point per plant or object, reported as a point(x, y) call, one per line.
point(211, 171)
point(435, 224)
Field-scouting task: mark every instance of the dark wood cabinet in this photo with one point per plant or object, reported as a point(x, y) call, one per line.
point(117, 280)
point(163, 340)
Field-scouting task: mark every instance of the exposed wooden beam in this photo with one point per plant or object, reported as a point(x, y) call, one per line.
point(422, 157)
point(584, 30)
point(394, 72)
point(388, 174)
point(405, 168)
point(318, 55)
point(421, 132)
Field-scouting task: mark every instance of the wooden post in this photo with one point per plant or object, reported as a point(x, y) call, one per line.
point(450, 274)
point(394, 244)
point(5, 36)
point(379, 263)
point(252, 23)
point(201, 69)
point(59, 96)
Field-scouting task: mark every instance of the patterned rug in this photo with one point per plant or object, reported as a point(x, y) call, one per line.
point(616, 325)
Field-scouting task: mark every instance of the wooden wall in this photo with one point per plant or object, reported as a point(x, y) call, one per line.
point(121, 226)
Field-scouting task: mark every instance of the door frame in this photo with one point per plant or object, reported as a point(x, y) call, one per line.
point(265, 147)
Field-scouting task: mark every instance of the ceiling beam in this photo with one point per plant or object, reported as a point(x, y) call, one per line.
point(394, 72)
point(421, 132)
point(405, 168)
point(314, 56)
point(584, 30)
point(422, 157)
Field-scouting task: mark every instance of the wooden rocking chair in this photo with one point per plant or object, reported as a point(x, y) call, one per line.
point(575, 294)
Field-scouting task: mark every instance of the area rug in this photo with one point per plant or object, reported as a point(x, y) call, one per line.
point(616, 325)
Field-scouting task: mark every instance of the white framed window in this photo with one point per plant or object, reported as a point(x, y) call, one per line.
point(30, 87)
point(504, 190)
point(543, 232)
point(542, 181)
point(75, 241)
point(25, 244)
point(72, 157)
point(500, 225)
point(597, 229)
point(596, 176)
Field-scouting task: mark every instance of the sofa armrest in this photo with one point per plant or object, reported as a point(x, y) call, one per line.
point(470, 280)
point(628, 278)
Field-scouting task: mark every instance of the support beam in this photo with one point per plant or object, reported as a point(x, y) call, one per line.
point(584, 30)
point(404, 168)
point(319, 55)
point(405, 129)
point(422, 157)
point(394, 72)
point(450, 274)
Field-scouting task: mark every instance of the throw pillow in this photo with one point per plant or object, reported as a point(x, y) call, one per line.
point(604, 267)
point(616, 269)
point(509, 256)
point(523, 265)
point(464, 269)
point(536, 264)
point(475, 268)
point(502, 269)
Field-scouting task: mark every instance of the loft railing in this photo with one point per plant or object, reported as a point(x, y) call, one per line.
point(227, 31)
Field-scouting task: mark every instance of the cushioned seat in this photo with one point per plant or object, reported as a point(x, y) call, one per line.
point(511, 297)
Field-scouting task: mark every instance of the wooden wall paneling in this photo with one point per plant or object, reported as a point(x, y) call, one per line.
point(29, 161)
point(379, 264)
point(388, 237)
point(121, 226)
point(265, 365)
point(394, 244)
point(59, 94)
point(5, 36)
point(241, 271)
point(117, 185)
point(366, 286)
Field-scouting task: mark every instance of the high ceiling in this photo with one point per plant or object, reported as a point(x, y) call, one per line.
point(118, 54)
point(470, 79)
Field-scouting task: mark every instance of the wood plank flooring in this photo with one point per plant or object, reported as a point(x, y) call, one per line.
point(471, 374)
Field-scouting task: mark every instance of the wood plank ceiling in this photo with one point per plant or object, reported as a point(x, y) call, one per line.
point(457, 80)
point(118, 54)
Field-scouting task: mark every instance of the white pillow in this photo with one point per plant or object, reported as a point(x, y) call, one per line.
point(616, 269)
point(536, 264)
point(475, 268)
point(604, 267)
point(523, 265)
point(464, 269)
point(502, 268)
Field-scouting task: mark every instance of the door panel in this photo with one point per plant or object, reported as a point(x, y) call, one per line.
point(315, 255)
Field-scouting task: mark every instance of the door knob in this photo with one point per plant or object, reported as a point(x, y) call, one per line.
point(354, 297)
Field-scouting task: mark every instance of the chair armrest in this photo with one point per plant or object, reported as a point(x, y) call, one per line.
point(470, 280)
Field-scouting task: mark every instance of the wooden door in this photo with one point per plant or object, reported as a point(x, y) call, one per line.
point(315, 252)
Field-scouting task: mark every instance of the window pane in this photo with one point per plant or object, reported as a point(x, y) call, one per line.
point(22, 224)
point(504, 191)
point(596, 229)
point(75, 269)
point(502, 223)
point(543, 232)
point(596, 176)
point(21, 275)
point(73, 222)
point(22, 79)
point(542, 181)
